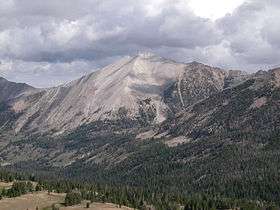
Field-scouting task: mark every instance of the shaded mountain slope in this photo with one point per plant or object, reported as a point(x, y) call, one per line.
point(10, 90)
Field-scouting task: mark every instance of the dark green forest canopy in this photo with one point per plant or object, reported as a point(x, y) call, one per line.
point(140, 198)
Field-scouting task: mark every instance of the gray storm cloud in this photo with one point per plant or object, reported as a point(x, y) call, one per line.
point(46, 43)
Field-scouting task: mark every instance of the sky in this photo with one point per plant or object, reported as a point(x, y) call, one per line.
point(47, 43)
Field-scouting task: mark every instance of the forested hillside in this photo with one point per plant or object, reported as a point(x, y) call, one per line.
point(134, 197)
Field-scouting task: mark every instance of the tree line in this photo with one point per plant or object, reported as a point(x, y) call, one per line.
point(135, 197)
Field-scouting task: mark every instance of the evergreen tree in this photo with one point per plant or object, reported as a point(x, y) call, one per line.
point(73, 198)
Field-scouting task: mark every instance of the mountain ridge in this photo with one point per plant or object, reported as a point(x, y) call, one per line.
point(102, 94)
point(121, 86)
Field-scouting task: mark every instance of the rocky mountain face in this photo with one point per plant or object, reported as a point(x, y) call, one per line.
point(147, 116)
point(250, 107)
point(134, 88)
point(126, 88)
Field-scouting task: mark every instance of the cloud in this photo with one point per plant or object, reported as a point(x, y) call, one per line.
point(112, 28)
point(253, 33)
point(44, 74)
point(64, 39)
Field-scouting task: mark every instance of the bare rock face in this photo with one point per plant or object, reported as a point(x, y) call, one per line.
point(276, 76)
point(240, 106)
point(198, 82)
point(125, 86)
point(145, 86)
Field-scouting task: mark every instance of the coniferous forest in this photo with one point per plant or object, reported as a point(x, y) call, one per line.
point(138, 198)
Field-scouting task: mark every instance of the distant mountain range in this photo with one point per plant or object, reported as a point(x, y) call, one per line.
point(146, 120)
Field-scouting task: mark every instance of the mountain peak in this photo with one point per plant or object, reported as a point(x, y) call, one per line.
point(152, 57)
point(146, 55)
point(2, 79)
point(123, 85)
point(195, 63)
point(5, 81)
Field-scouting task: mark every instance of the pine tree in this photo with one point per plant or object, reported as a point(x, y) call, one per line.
point(73, 198)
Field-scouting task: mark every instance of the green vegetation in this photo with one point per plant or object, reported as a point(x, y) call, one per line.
point(18, 189)
point(73, 198)
point(139, 198)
